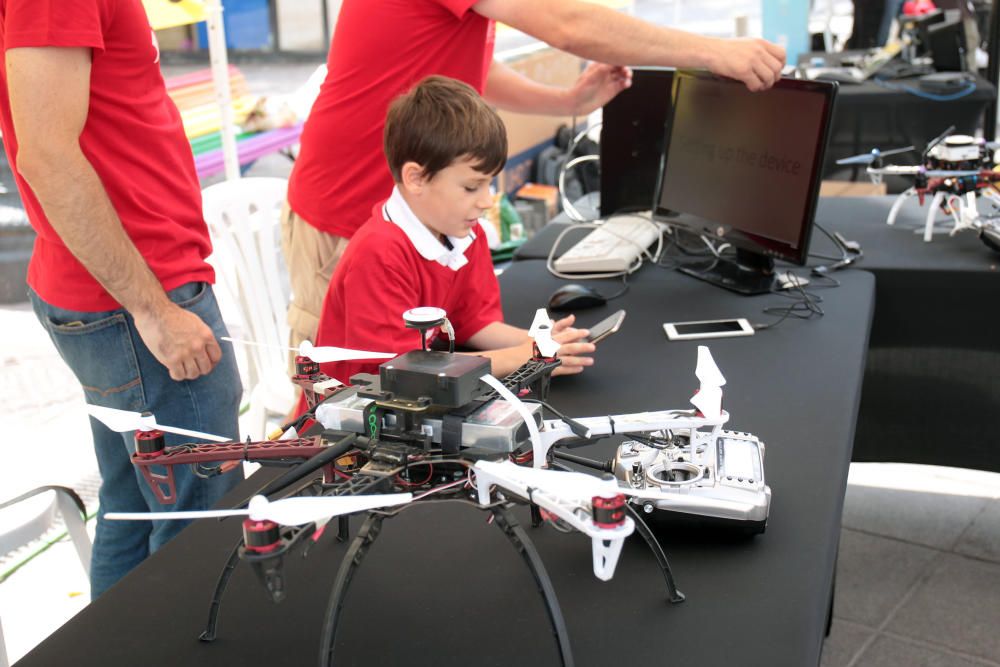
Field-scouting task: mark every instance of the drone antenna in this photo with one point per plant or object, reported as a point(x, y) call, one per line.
point(936, 141)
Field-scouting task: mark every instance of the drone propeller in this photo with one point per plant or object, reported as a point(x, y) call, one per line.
point(875, 154)
point(934, 142)
point(709, 397)
point(287, 511)
point(323, 354)
point(541, 331)
point(122, 421)
point(945, 173)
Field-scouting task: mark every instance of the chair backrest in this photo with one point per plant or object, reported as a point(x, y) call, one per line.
point(243, 218)
point(31, 515)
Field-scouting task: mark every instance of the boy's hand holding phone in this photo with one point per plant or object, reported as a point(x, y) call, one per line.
point(573, 345)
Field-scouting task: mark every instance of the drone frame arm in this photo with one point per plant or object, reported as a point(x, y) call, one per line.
point(606, 542)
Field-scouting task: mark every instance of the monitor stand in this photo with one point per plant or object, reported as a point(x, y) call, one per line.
point(748, 273)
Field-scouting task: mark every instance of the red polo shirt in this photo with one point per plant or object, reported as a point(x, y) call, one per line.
point(381, 48)
point(384, 272)
point(133, 137)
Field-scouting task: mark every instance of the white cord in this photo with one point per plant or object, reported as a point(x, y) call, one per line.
point(567, 205)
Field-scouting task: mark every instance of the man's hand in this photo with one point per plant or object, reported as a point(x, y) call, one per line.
point(571, 347)
point(179, 340)
point(596, 86)
point(755, 62)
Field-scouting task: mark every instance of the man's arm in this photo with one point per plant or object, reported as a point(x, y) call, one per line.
point(594, 88)
point(604, 35)
point(49, 91)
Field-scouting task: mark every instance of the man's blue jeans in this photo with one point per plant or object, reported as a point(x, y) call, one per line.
point(117, 370)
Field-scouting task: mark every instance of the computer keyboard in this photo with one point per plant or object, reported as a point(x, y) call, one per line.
point(613, 247)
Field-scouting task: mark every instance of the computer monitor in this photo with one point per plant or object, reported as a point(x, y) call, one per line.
point(744, 168)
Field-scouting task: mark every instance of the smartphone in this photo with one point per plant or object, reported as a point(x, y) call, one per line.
point(605, 327)
point(707, 329)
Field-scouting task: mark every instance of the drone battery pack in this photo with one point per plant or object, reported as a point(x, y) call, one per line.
point(448, 380)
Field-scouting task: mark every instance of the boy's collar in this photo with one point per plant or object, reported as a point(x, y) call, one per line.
point(398, 212)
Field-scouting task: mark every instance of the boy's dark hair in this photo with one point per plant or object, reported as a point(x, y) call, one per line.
point(441, 120)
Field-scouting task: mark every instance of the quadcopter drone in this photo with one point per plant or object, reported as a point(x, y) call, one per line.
point(955, 170)
point(436, 425)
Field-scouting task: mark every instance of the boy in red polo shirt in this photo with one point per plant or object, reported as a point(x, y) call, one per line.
point(423, 246)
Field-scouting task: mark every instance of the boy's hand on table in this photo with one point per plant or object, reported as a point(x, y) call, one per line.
point(572, 347)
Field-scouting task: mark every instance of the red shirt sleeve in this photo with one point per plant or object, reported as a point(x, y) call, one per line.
point(478, 303)
point(64, 23)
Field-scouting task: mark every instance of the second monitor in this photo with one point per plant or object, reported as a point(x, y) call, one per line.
point(744, 169)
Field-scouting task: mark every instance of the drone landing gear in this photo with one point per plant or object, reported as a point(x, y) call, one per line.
point(220, 589)
point(674, 595)
point(267, 564)
point(370, 529)
point(504, 519)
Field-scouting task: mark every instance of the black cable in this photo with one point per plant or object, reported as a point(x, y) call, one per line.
point(603, 466)
point(804, 308)
point(578, 429)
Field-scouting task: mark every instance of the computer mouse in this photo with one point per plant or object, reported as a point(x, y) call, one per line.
point(575, 297)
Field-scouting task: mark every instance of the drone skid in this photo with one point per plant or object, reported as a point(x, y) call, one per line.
point(504, 519)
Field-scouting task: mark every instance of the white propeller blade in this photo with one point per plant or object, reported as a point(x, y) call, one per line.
point(709, 397)
point(326, 354)
point(707, 371)
point(287, 511)
point(541, 319)
point(541, 331)
point(123, 421)
point(709, 402)
point(322, 354)
point(546, 346)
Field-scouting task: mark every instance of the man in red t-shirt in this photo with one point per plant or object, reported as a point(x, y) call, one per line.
point(444, 145)
point(118, 275)
point(382, 47)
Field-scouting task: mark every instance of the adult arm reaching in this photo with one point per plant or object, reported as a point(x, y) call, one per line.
point(604, 35)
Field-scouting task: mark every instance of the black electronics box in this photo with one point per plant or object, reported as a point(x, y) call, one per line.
point(448, 380)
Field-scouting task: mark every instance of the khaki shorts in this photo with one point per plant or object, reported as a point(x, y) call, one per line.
point(311, 256)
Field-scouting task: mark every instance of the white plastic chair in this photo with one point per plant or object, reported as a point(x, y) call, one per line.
point(29, 516)
point(243, 218)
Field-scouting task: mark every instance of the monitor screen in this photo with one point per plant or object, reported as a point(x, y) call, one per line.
point(745, 167)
